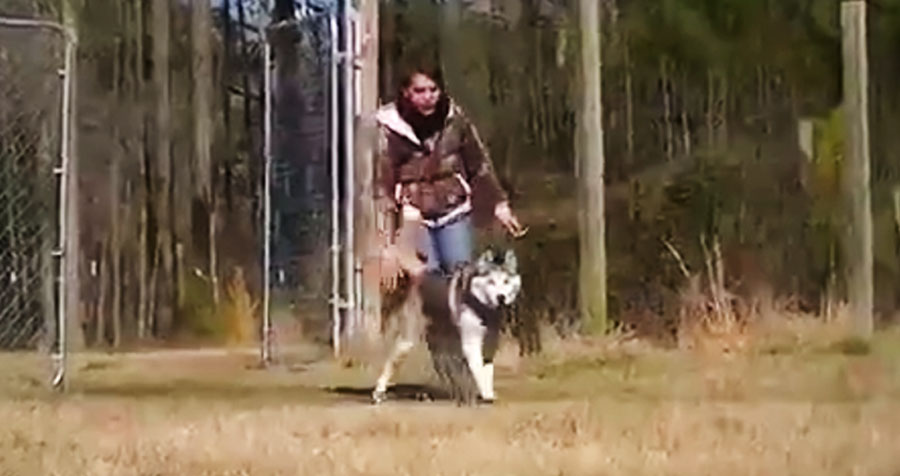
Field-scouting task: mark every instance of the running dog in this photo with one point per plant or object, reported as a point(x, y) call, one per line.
point(460, 316)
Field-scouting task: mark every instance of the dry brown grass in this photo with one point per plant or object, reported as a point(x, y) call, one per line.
point(601, 406)
point(584, 437)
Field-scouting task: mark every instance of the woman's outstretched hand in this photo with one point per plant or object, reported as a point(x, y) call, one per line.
point(399, 257)
point(509, 221)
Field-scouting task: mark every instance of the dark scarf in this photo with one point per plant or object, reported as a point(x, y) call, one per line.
point(424, 126)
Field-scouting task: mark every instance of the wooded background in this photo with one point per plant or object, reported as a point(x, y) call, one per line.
point(704, 107)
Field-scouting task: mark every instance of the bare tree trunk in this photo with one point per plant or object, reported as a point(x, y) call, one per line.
point(115, 197)
point(534, 115)
point(131, 56)
point(153, 301)
point(163, 142)
point(225, 68)
point(465, 68)
point(710, 109)
point(128, 279)
point(102, 302)
point(629, 104)
point(760, 101)
point(763, 99)
point(830, 297)
point(180, 273)
point(451, 19)
point(203, 127)
point(541, 112)
point(592, 272)
point(213, 251)
point(142, 189)
point(253, 182)
point(667, 107)
point(858, 244)
point(685, 126)
point(759, 89)
point(895, 195)
point(245, 76)
point(144, 267)
point(723, 111)
point(387, 45)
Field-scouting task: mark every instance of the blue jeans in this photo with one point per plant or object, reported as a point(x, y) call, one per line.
point(447, 246)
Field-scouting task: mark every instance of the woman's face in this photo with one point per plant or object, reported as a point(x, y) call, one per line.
point(423, 94)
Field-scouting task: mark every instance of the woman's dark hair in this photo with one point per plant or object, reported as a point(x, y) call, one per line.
point(431, 69)
point(423, 126)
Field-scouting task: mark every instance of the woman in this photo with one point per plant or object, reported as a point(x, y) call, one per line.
point(433, 167)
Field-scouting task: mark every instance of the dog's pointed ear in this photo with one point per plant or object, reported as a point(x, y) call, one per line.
point(485, 260)
point(510, 262)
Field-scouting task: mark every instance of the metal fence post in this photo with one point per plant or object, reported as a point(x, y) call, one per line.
point(349, 172)
point(334, 142)
point(266, 350)
point(60, 358)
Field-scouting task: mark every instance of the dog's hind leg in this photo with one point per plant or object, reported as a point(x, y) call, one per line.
point(401, 348)
point(407, 328)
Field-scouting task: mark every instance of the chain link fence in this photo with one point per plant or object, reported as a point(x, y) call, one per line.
point(301, 190)
point(34, 95)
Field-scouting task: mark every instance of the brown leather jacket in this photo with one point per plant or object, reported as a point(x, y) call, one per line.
point(448, 173)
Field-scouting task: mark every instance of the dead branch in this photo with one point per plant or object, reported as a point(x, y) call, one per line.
point(681, 264)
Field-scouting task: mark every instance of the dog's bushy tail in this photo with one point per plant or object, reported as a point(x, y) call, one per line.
point(449, 363)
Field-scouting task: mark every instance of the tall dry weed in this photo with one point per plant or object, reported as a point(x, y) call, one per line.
point(713, 319)
point(238, 311)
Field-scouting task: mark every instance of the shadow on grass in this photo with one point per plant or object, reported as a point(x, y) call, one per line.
point(254, 393)
point(398, 392)
point(198, 389)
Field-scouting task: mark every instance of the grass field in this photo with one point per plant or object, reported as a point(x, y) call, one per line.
point(782, 406)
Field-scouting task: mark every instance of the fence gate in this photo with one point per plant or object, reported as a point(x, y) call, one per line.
point(35, 90)
point(301, 218)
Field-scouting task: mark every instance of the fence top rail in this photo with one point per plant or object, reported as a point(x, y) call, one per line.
point(41, 24)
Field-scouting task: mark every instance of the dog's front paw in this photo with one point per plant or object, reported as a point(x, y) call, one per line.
point(423, 396)
point(378, 396)
point(486, 400)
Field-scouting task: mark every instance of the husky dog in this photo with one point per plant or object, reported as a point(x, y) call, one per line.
point(460, 315)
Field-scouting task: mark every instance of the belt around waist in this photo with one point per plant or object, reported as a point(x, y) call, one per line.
point(412, 213)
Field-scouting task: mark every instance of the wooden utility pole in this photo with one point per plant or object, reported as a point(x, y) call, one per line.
point(367, 242)
point(592, 222)
point(856, 190)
